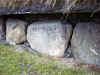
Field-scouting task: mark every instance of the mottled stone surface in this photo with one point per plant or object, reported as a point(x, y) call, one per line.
point(85, 42)
point(49, 37)
point(15, 31)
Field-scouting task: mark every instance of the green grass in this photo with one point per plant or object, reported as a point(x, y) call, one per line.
point(31, 63)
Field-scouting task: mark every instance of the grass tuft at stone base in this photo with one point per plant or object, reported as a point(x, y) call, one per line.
point(31, 63)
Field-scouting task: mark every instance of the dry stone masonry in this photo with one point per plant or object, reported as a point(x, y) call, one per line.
point(55, 38)
point(47, 6)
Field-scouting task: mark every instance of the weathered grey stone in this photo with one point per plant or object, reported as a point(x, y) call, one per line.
point(85, 42)
point(15, 31)
point(2, 32)
point(49, 37)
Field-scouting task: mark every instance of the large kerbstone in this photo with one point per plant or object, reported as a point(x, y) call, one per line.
point(15, 31)
point(2, 31)
point(49, 37)
point(85, 42)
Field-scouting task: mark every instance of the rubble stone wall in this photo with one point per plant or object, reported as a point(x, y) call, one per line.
point(48, 6)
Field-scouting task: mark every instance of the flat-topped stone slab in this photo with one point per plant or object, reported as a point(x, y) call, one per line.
point(47, 6)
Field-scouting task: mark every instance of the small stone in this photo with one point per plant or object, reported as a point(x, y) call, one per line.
point(15, 31)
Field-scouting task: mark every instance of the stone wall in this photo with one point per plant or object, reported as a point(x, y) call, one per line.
point(54, 37)
point(48, 6)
